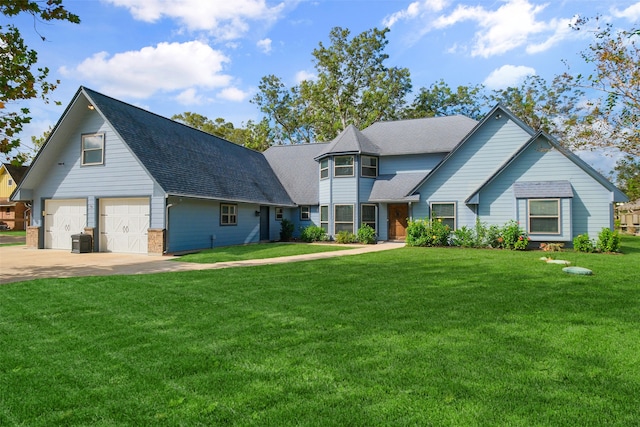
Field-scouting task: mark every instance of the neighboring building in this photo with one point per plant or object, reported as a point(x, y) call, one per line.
point(142, 183)
point(13, 215)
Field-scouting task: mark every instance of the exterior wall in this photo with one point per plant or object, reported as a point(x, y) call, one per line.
point(389, 165)
point(195, 224)
point(590, 208)
point(469, 167)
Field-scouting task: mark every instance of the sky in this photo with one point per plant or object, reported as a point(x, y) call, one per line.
point(208, 56)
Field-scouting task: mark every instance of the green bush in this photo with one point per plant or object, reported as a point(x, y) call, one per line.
point(366, 234)
point(465, 237)
point(345, 237)
point(313, 233)
point(492, 237)
point(286, 230)
point(582, 243)
point(513, 237)
point(428, 233)
point(608, 241)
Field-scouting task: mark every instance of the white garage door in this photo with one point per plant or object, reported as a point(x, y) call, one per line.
point(62, 219)
point(123, 225)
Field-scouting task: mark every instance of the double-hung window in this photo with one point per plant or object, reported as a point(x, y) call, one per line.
point(343, 166)
point(343, 218)
point(368, 215)
point(369, 166)
point(544, 216)
point(228, 214)
point(305, 213)
point(93, 149)
point(279, 214)
point(324, 217)
point(324, 168)
point(445, 212)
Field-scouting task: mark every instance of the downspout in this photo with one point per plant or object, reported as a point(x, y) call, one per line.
point(166, 227)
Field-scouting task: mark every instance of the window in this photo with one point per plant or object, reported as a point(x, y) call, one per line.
point(369, 166)
point(279, 214)
point(324, 217)
point(228, 215)
point(305, 213)
point(324, 168)
point(93, 149)
point(446, 212)
point(343, 219)
point(544, 216)
point(343, 166)
point(9, 182)
point(368, 214)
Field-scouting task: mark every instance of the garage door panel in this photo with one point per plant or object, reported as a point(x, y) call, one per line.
point(124, 224)
point(63, 218)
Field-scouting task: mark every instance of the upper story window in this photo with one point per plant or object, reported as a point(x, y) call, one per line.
point(93, 149)
point(279, 214)
point(9, 182)
point(544, 216)
point(324, 168)
point(369, 166)
point(228, 214)
point(343, 166)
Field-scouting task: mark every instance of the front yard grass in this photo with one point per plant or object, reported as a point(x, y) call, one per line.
point(412, 336)
point(257, 251)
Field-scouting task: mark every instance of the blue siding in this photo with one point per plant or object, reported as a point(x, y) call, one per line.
point(409, 163)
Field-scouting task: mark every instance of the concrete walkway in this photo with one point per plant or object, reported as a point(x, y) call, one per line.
point(17, 263)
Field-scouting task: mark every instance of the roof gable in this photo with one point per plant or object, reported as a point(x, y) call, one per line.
point(350, 141)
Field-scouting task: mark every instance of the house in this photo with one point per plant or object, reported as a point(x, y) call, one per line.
point(13, 215)
point(138, 182)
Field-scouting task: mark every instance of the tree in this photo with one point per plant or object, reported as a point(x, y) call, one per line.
point(19, 81)
point(353, 86)
point(628, 176)
point(612, 119)
point(441, 100)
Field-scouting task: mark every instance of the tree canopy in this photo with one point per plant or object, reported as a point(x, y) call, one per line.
point(19, 79)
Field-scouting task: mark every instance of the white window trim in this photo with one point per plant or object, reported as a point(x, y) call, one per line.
point(558, 216)
point(336, 222)
point(367, 167)
point(279, 214)
point(324, 168)
point(303, 210)
point(336, 167)
point(324, 223)
point(83, 150)
point(455, 213)
point(232, 215)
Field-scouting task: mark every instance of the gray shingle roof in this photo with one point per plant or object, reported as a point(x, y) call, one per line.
point(539, 189)
point(351, 140)
point(395, 187)
point(429, 135)
point(297, 170)
point(186, 161)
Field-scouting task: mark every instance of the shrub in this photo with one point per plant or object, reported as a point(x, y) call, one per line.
point(608, 241)
point(345, 237)
point(492, 237)
point(513, 237)
point(366, 234)
point(286, 230)
point(313, 233)
point(428, 233)
point(465, 237)
point(582, 243)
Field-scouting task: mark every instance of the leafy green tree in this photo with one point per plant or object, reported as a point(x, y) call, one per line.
point(442, 100)
point(612, 117)
point(353, 86)
point(19, 79)
point(628, 176)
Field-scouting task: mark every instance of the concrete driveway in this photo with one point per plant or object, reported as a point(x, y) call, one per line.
point(17, 263)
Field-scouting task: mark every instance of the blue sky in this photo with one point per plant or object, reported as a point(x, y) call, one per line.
point(208, 57)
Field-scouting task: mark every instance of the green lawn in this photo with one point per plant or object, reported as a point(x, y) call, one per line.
point(413, 336)
point(257, 251)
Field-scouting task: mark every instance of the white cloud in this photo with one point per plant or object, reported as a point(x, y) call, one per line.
point(304, 75)
point(264, 45)
point(632, 13)
point(166, 67)
point(190, 97)
point(233, 94)
point(414, 10)
point(225, 20)
point(508, 76)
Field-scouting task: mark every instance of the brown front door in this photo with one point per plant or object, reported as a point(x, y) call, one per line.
point(398, 216)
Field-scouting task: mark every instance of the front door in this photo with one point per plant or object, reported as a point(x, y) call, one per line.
point(398, 217)
point(264, 223)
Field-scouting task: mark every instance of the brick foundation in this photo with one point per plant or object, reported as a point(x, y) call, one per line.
point(32, 236)
point(156, 240)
